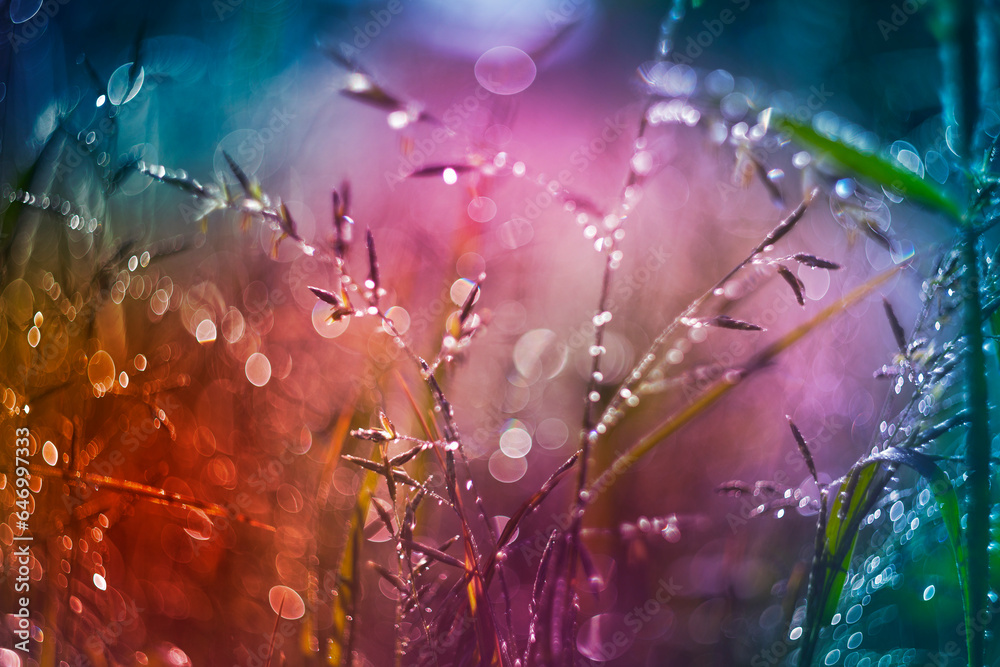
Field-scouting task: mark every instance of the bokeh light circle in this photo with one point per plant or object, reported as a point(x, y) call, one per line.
point(505, 469)
point(101, 371)
point(505, 70)
point(288, 601)
point(258, 369)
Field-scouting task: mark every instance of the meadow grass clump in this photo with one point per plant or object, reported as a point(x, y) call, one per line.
point(277, 400)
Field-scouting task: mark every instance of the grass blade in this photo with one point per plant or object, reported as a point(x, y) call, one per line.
point(629, 458)
point(871, 167)
point(947, 499)
point(859, 493)
point(343, 610)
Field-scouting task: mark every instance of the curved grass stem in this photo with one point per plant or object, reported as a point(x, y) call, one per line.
point(646, 444)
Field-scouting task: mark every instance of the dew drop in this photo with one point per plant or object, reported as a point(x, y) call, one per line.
point(928, 593)
point(844, 188)
point(100, 583)
point(399, 318)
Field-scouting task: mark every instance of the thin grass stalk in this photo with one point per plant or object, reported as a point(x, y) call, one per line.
point(153, 494)
point(977, 448)
point(649, 359)
point(632, 455)
point(588, 436)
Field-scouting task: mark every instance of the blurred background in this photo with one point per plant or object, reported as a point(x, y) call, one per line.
point(174, 351)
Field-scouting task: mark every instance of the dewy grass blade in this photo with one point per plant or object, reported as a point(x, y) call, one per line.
point(858, 493)
point(343, 610)
point(871, 167)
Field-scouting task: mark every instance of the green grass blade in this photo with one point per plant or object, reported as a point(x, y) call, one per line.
point(871, 167)
point(852, 503)
point(842, 533)
point(947, 501)
point(835, 549)
point(343, 608)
